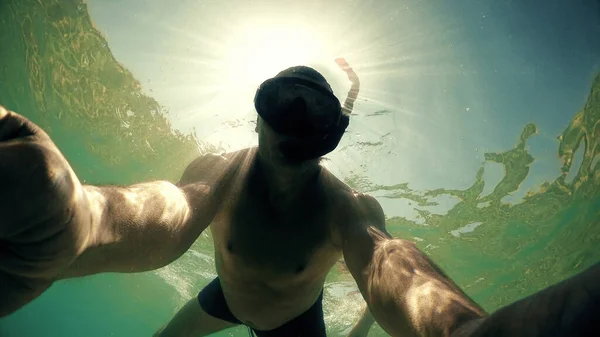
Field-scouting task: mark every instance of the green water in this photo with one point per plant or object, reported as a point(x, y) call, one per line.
point(58, 70)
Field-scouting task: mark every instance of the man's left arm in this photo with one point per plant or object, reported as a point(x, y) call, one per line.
point(406, 292)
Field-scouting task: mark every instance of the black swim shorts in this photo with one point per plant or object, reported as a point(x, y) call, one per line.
point(308, 324)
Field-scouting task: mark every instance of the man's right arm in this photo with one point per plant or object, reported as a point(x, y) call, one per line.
point(141, 227)
point(147, 226)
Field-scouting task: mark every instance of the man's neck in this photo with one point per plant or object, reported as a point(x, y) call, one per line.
point(286, 182)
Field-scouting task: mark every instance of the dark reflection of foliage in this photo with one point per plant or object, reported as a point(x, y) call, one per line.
point(518, 248)
point(57, 69)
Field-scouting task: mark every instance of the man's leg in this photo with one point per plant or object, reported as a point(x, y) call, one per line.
point(201, 316)
point(193, 321)
point(363, 325)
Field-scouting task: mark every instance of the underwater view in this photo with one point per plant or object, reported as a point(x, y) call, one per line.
point(477, 128)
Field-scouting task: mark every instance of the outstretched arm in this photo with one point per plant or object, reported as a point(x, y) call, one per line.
point(53, 227)
point(147, 226)
point(410, 296)
point(141, 227)
point(406, 292)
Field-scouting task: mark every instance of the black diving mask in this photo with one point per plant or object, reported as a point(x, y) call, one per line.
point(306, 111)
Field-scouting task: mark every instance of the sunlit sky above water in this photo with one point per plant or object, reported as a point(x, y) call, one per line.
point(441, 82)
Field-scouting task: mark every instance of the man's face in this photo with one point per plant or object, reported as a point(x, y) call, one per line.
point(269, 140)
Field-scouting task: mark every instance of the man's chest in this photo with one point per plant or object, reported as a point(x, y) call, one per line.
point(252, 233)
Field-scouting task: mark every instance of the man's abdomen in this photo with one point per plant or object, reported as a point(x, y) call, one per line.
point(265, 299)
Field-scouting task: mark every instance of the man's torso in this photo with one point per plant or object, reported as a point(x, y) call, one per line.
point(271, 262)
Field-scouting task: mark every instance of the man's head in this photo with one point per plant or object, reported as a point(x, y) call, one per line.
point(300, 119)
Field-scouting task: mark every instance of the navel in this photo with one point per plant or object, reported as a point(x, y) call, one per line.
point(229, 246)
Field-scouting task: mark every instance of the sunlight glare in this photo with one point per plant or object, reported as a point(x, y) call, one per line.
point(260, 51)
point(254, 51)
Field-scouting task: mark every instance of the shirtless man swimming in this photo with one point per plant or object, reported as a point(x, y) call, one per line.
point(279, 222)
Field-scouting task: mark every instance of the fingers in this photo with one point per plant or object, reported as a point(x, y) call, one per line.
point(10, 126)
point(13, 125)
point(21, 260)
point(36, 185)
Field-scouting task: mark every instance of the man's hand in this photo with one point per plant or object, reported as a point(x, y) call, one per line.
point(353, 93)
point(42, 225)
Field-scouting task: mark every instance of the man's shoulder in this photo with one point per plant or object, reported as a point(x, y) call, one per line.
point(210, 167)
point(242, 154)
point(353, 207)
point(345, 194)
